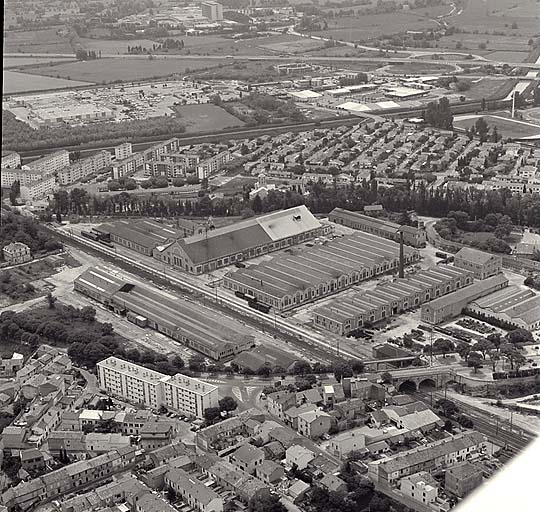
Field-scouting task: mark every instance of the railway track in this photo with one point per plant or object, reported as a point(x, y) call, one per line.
point(274, 325)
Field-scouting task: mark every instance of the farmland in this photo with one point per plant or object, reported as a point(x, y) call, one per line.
point(122, 69)
point(206, 118)
point(15, 82)
point(51, 40)
point(505, 126)
point(13, 62)
point(418, 67)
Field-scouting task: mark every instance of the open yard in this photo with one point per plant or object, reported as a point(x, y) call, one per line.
point(206, 118)
point(15, 82)
point(123, 69)
point(50, 40)
point(488, 88)
point(506, 127)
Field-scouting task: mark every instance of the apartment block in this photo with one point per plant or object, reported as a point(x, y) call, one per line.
point(38, 189)
point(188, 395)
point(131, 381)
point(122, 151)
point(213, 164)
point(84, 167)
point(10, 176)
point(51, 163)
point(10, 160)
point(153, 389)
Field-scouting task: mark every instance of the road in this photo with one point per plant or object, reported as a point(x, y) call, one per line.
point(306, 58)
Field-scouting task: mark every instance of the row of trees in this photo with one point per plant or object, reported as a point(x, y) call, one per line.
point(19, 136)
point(522, 209)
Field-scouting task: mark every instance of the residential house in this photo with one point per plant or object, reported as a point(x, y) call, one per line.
point(247, 458)
point(462, 478)
point(270, 472)
point(332, 483)
point(32, 460)
point(155, 434)
point(193, 492)
point(314, 424)
point(298, 456)
point(279, 402)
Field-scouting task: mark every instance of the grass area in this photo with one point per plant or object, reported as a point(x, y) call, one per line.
point(508, 56)
point(50, 40)
point(15, 82)
point(115, 46)
point(202, 118)
point(11, 62)
point(299, 45)
point(506, 127)
point(418, 68)
point(122, 69)
point(364, 27)
point(468, 238)
point(488, 88)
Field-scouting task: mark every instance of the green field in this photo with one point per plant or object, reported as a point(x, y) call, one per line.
point(365, 27)
point(15, 62)
point(506, 127)
point(115, 47)
point(206, 118)
point(15, 82)
point(36, 41)
point(488, 88)
point(123, 69)
point(418, 68)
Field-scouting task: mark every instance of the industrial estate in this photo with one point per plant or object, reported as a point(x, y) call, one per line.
point(269, 256)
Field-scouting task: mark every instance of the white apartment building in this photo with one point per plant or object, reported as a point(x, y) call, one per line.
point(50, 164)
point(213, 164)
point(188, 395)
point(10, 176)
point(212, 11)
point(38, 189)
point(84, 167)
point(10, 160)
point(122, 151)
point(128, 166)
point(141, 385)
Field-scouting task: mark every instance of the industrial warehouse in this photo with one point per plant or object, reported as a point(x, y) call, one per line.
point(197, 327)
point(511, 307)
point(452, 305)
point(343, 315)
point(243, 240)
point(288, 281)
point(380, 227)
point(144, 235)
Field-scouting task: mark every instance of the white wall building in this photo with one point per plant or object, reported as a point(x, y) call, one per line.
point(38, 189)
point(50, 164)
point(123, 151)
point(138, 384)
point(10, 160)
point(213, 11)
point(84, 167)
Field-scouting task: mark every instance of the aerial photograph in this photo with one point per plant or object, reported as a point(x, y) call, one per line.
point(270, 256)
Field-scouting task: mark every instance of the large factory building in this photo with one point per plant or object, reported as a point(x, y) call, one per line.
point(243, 240)
point(344, 315)
point(287, 281)
point(380, 227)
point(193, 325)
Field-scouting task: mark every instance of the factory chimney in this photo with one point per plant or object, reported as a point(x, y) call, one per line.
point(401, 257)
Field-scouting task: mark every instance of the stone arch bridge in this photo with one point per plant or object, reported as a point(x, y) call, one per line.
point(413, 379)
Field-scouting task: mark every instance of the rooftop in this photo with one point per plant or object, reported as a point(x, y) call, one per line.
point(474, 255)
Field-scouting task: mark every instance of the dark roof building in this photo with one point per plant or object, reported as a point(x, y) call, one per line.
point(200, 328)
point(287, 281)
point(345, 314)
point(380, 227)
point(243, 240)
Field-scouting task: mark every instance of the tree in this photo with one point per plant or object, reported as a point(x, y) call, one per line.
point(211, 414)
point(88, 314)
point(227, 404)
point(519, 336)
point(483, 346)
point(197, 363)
point(443, 345)
point(475, 361)
point(342, 369)
point(51, 300)
point(387, 378)
point(301, 368)
point(266, 502)
point(14, 192)
point(177, 362)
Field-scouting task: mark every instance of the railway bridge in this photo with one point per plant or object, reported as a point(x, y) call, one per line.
point(413, 379)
